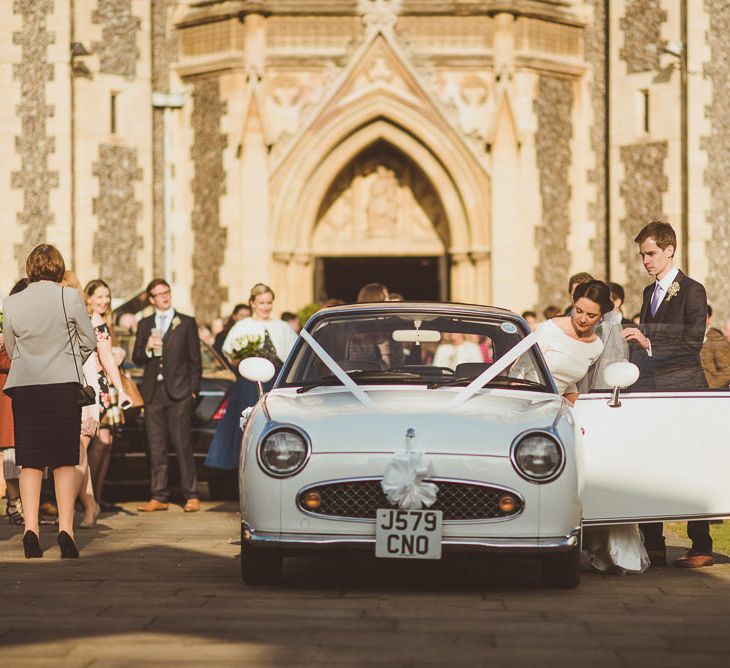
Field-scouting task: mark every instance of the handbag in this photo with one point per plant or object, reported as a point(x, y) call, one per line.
point(132, 391)
point(86, 395)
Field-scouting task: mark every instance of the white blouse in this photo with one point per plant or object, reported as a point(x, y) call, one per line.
point(567, 358)
point(282, 335)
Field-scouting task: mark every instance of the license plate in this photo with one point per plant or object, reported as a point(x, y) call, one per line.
point(408, 534)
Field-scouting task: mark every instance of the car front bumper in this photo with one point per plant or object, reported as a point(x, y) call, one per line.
point(296, 542)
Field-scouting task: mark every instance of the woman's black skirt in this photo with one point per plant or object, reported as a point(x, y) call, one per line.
point(47, 425)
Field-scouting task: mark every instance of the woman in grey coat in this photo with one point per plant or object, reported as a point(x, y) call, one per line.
point(48, 336)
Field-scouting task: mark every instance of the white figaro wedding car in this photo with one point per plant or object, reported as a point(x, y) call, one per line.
point(387, 431)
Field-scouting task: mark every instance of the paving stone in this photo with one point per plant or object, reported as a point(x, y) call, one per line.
point(165, 590)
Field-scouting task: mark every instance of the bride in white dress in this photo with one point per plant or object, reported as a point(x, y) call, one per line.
point(570, 346)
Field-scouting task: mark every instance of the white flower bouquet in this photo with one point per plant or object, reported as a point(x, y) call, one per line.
point(247, 345)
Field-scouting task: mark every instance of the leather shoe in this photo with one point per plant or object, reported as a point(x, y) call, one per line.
point(192, 506)
point(694, 561)
point(657, 557)
point(152, 505)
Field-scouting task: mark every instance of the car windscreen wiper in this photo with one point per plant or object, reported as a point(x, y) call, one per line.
point(364, 376)
point(498, 381)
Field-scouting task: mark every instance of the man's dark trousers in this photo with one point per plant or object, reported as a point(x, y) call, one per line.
point(166, 417)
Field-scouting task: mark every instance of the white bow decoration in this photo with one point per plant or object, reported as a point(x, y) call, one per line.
point(404, 479)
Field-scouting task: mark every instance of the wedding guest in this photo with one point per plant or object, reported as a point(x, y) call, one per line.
point(11, 472)
point(456, 350)
point(274, 339)
point(127, 323)
point(292, 320)
point(667, 351)
point(41, 324)
point(240, 311)
point(168, 347)
point(618, 296)
point(531, 318)
point(551, 312)
point(372, 292)
point(105, 372)
point(89, 427)
point(715, 355)
point(573, 282)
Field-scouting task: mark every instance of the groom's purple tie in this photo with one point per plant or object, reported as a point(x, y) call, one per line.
point(656, 298)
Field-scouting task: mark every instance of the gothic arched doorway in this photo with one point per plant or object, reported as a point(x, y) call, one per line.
point(381, 220)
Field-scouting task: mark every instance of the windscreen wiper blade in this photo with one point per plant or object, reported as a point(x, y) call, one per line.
point(361, 375)
point(499, 381)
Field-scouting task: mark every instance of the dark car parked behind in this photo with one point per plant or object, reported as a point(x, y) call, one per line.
point(130, 459)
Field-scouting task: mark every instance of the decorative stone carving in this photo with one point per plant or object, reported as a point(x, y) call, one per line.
point(33, 145)
point(447, 34)
point(540, 36)
point(117, 50)
point(384, 203)
point(595, 55)
point(717, 146)
point(116, 241)
point(642, 189)
point(208, 186)
point(554, 109)
point(163, 55)
point(379, 15)
point(468, 101)
point(642, 28)
point(295, 35)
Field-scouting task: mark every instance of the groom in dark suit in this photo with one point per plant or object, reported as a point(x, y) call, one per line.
point(667, 351)
point(168, 347)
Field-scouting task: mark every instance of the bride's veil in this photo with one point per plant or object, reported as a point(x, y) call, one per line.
point(615, 349)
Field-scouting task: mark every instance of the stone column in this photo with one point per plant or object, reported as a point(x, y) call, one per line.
point(482, 276)
point(462, 278)
point(255, 253)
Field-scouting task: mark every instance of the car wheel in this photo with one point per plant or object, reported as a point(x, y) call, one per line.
point(261, 566)
point(561, 570)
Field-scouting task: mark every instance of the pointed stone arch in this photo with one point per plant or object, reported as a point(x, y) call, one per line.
point(301, 180)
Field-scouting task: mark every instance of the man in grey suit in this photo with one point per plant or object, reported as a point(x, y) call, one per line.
point(168, 347)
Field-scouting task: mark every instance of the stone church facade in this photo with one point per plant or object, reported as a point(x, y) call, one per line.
point(474, 150)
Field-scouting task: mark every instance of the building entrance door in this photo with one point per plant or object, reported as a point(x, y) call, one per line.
point(416, 278)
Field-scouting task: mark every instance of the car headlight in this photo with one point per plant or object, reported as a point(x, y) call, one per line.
point(284, 452)
point(538, 456)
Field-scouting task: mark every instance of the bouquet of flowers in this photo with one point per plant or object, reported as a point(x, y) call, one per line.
point(247, 345)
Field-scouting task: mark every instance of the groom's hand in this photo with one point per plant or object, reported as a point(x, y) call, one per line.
point(634, 334)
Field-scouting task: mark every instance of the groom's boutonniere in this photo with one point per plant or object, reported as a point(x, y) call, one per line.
point(175, 323)
point(673, 290)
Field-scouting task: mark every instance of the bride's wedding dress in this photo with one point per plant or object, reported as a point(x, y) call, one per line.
point(615, 549)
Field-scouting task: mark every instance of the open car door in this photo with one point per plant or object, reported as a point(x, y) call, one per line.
point(657, 456)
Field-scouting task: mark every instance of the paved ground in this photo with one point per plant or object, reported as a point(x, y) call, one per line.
point(165, 589)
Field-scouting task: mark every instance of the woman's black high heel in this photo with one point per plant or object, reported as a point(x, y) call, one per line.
point(67, 545)
point(31, 545)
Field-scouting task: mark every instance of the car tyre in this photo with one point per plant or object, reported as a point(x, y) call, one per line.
point(561, 570)
point(261, 566)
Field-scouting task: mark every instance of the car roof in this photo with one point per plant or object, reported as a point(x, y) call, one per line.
point(431, 307)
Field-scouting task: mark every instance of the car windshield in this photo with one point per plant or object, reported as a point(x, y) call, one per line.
point(681, 359)
point(412, 347)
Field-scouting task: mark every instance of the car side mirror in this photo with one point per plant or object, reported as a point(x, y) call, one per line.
point(258, 370)
point(619, 376)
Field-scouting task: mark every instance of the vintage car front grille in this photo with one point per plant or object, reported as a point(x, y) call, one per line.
point(360, 499)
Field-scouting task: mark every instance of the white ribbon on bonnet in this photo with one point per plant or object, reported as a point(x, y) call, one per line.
point(404, 479)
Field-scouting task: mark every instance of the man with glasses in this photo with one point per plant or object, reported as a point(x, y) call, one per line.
point(168, 347)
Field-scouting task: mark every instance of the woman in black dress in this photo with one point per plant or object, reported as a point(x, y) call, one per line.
point(48, 336)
